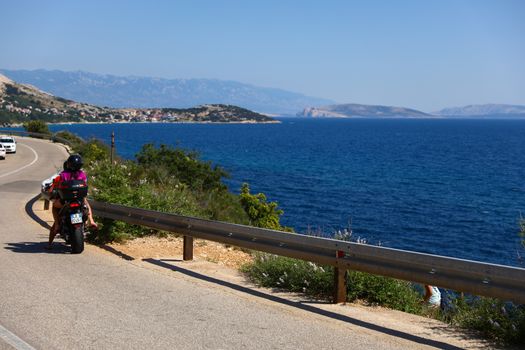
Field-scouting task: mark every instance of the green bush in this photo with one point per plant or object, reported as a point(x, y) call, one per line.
point(37, 126)
point(260, 212)
point(93, 150)
point(124, 183)
point(75, 141)
point(223, 206)
point(318, 281)
point(183, 165)
point(274, 271)
point(501, 321)
point(384, 291)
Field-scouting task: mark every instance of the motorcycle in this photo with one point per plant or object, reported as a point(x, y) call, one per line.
point(74, 214)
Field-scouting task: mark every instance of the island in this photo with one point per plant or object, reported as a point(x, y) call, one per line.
point(20, 103)
point(353, 110)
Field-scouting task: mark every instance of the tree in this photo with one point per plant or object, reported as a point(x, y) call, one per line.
point(37, 126)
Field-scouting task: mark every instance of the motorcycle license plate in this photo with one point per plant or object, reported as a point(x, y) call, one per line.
point(76, 218)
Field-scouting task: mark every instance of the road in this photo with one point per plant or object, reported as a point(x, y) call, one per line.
point(97, 300)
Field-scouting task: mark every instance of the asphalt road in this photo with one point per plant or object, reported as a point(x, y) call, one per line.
point(96, 300)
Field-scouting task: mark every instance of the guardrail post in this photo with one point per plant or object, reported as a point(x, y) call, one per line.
point(46, 204)
point(112, 153)
point(187, 253)
point(339, 281)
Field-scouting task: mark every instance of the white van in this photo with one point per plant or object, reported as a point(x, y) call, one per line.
point(9, 143)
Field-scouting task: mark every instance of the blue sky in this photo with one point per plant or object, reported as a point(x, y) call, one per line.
point(421, 54)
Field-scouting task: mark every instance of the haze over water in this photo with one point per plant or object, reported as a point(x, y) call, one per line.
point(447, 187)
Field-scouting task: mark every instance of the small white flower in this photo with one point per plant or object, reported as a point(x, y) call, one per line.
point(313, 265)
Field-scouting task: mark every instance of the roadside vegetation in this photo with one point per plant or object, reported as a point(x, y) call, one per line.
point(176, 181)
point(37, 126)
point(170, 180)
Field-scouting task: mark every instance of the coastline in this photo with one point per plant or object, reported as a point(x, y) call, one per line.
point(163, 122)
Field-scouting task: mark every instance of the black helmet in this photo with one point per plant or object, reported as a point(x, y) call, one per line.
point(74, 162)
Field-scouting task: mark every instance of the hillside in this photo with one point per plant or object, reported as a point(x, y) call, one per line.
point(20, 103)
point(501, 110)
point(146, 92)
point(360, 111)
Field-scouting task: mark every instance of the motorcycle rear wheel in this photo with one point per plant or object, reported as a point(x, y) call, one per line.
point(76, 239)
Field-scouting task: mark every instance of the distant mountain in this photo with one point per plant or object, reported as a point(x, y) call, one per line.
point(20, 103)
point(492, 110)
point(360, 111)
point(144, 92)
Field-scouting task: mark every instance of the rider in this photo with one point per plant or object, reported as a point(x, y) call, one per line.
point(72, 171)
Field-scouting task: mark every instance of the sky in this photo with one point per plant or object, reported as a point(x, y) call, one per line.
point(421, 54)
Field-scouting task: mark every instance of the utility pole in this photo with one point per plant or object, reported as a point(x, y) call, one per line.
point(112, 154)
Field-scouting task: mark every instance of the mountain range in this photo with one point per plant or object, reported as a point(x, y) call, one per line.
point(145, 92)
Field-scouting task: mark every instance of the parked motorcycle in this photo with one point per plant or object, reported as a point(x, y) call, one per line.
point(73, 214)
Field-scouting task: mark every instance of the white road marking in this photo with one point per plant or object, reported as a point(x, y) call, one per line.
point(13, 340)
point(25, 166)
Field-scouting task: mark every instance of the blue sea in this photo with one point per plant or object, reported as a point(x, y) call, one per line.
point(447, 187)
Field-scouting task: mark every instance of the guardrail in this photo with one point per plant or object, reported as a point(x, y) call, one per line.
point(51, 137)
point(491, 280)
point(478, 278)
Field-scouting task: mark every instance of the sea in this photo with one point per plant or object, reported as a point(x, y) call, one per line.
point(452, 187)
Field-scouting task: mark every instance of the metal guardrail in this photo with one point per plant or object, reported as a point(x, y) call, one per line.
point(491, 280)
point(478, 278)
point(51, 137)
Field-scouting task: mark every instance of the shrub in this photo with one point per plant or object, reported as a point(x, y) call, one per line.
point(493, 318)
point(260, 212)
point(384, 291)
point(270, 270)
point(318, 281)
point(223, 206)
point(183, 165)
point(93, 150)
point(123, 183)
point(75, 141)
point(37, 126)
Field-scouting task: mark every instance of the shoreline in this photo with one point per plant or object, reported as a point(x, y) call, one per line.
point(180, 122)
